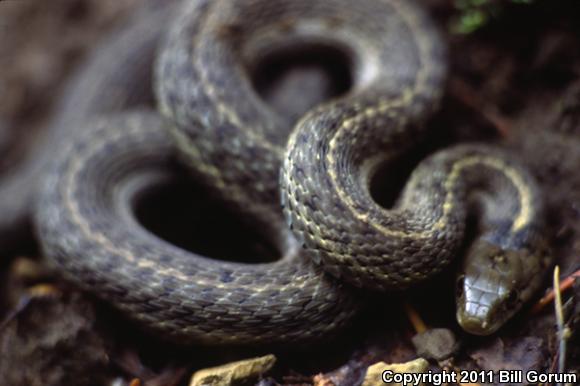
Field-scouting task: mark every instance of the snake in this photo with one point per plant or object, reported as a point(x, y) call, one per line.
point(304, 185)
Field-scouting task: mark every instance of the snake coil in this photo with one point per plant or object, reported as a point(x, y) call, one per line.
point(250, 155)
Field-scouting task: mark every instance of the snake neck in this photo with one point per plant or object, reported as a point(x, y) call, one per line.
point(425, 228)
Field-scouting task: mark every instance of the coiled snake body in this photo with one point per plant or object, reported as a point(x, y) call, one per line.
point(235, 143)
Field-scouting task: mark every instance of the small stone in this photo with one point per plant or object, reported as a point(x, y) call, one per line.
point(436, 343)
point(375, 372)
point(233, 373)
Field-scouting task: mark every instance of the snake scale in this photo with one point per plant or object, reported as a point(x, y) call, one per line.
point(321, 168)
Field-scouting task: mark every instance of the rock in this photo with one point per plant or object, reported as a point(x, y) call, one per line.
point(375, 372)
point(233, 373)
point(436, 343)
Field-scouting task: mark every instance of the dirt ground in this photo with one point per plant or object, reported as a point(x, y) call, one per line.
point(515, 79)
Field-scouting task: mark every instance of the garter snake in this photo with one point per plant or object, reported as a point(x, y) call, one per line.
point(322, 169)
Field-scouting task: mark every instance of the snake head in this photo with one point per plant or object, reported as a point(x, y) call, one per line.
point(494, 282)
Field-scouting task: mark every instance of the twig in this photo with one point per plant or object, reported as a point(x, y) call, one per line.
point(565, 284)
point(415, 319)
point(560, 323)
point(468, 96)
point(34, 292)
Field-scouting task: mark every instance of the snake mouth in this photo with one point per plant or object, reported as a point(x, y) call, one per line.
point(475, 325)
point(176, 209)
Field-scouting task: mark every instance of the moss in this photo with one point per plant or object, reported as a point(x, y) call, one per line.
point(474, 14)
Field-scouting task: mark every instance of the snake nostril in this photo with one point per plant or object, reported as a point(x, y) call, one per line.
point(512, 299)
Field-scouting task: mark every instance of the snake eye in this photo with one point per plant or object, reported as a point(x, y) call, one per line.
point(512, 299)
point(459, 286)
